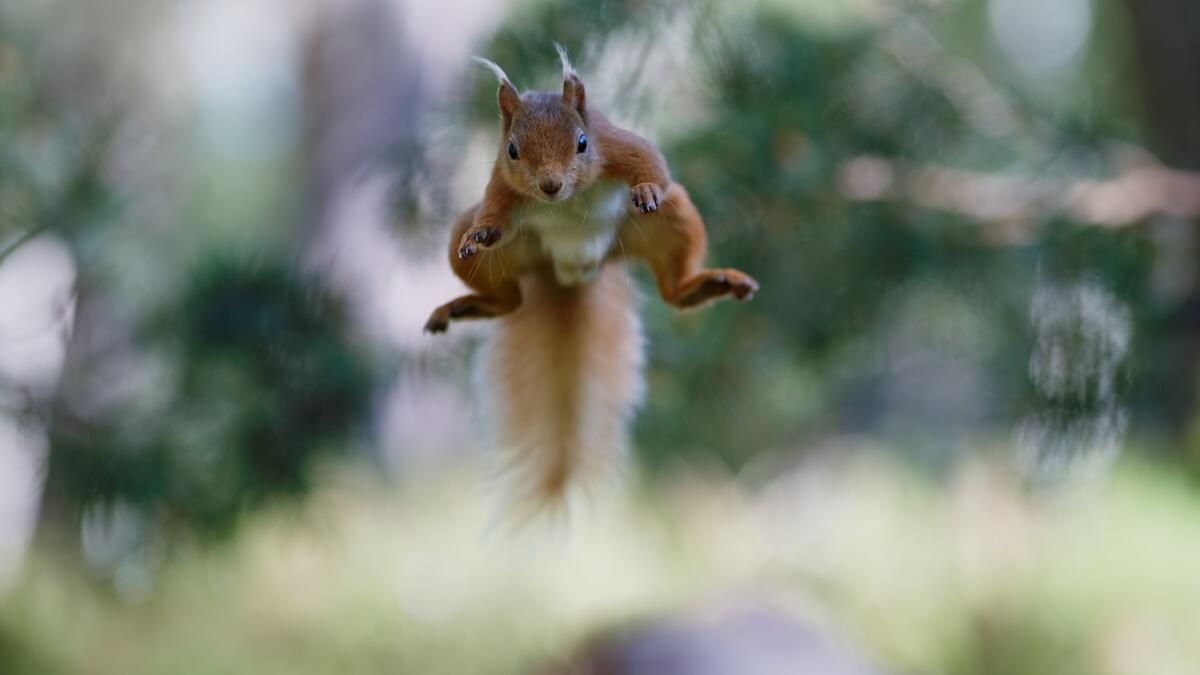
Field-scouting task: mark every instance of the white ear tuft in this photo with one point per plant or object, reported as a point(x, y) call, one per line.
point(496, 70)
point(568, 69)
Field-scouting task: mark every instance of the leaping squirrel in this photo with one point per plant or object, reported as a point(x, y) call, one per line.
point(570, 197)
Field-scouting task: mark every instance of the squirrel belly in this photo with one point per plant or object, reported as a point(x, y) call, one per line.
point(577, 234)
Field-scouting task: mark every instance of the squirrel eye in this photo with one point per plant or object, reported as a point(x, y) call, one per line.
point(512, 150)
point(581, 144)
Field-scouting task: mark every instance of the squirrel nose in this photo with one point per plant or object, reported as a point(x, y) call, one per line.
point(551, 187)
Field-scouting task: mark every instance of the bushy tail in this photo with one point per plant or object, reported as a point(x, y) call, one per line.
point(562, 376)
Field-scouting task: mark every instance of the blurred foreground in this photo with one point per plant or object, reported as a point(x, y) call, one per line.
point(977, 579)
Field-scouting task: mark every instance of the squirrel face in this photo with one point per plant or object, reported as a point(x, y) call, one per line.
point(546, 153)
point(545, 150)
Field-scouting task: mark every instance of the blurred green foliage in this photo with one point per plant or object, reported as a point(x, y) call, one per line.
point(219, 389)
point(972, 581)
point(265, 381)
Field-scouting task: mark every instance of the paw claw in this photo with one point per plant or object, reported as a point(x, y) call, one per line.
point(745, 289)
point(646, 197)
point(477, 238)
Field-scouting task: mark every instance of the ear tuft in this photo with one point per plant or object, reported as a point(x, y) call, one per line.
point(491, 65)
point(508, 97)
point(568, 69)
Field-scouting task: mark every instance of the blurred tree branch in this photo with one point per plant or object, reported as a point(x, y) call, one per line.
point(1168, 55)
point(1165, 37)
point(21, 239)
point(1015, 203)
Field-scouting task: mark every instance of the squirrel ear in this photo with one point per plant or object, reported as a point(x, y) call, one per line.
point(509, 101)
point(574, 94)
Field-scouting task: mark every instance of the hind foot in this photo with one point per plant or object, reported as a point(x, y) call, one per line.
point(469, 307)
point(713, 284)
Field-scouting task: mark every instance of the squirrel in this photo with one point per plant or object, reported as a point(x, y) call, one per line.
point(570, 198)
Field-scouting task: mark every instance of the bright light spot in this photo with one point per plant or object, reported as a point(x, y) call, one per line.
point(1083, 335)
point(35, 315)
point(239, 55)
point(866, 178)
point(116, 540)
point(1040, 36)
point(35, 308)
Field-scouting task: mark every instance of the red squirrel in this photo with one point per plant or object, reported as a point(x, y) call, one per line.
point(571, 197)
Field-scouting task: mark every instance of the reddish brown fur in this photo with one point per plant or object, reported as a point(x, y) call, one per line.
point(564, 341)
point(671, 241)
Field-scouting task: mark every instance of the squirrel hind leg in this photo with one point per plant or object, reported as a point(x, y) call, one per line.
point(674, 244)
point(470, 307)
point(713, 284)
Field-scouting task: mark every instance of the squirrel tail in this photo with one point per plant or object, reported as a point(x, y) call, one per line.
point(562, 376)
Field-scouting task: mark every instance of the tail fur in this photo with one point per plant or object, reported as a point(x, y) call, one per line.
point(562, 377)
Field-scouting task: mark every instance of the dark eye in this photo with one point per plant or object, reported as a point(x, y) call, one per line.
point(512, 150)
point(581, 144)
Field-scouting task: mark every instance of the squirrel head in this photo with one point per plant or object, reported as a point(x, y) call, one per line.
point(546, 152)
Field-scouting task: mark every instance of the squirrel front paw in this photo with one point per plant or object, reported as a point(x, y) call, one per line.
point(646, 197)
point(476, 238)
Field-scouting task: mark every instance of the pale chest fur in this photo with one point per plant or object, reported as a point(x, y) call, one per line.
point(578, 233)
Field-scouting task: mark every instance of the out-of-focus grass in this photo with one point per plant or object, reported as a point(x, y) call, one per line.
point(978, 577)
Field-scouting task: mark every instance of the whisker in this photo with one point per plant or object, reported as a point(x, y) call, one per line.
point(624, 259)
point(474, 270)
point(583, 225)
point(635, 225)
point(587, 214)
point(503, 268)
